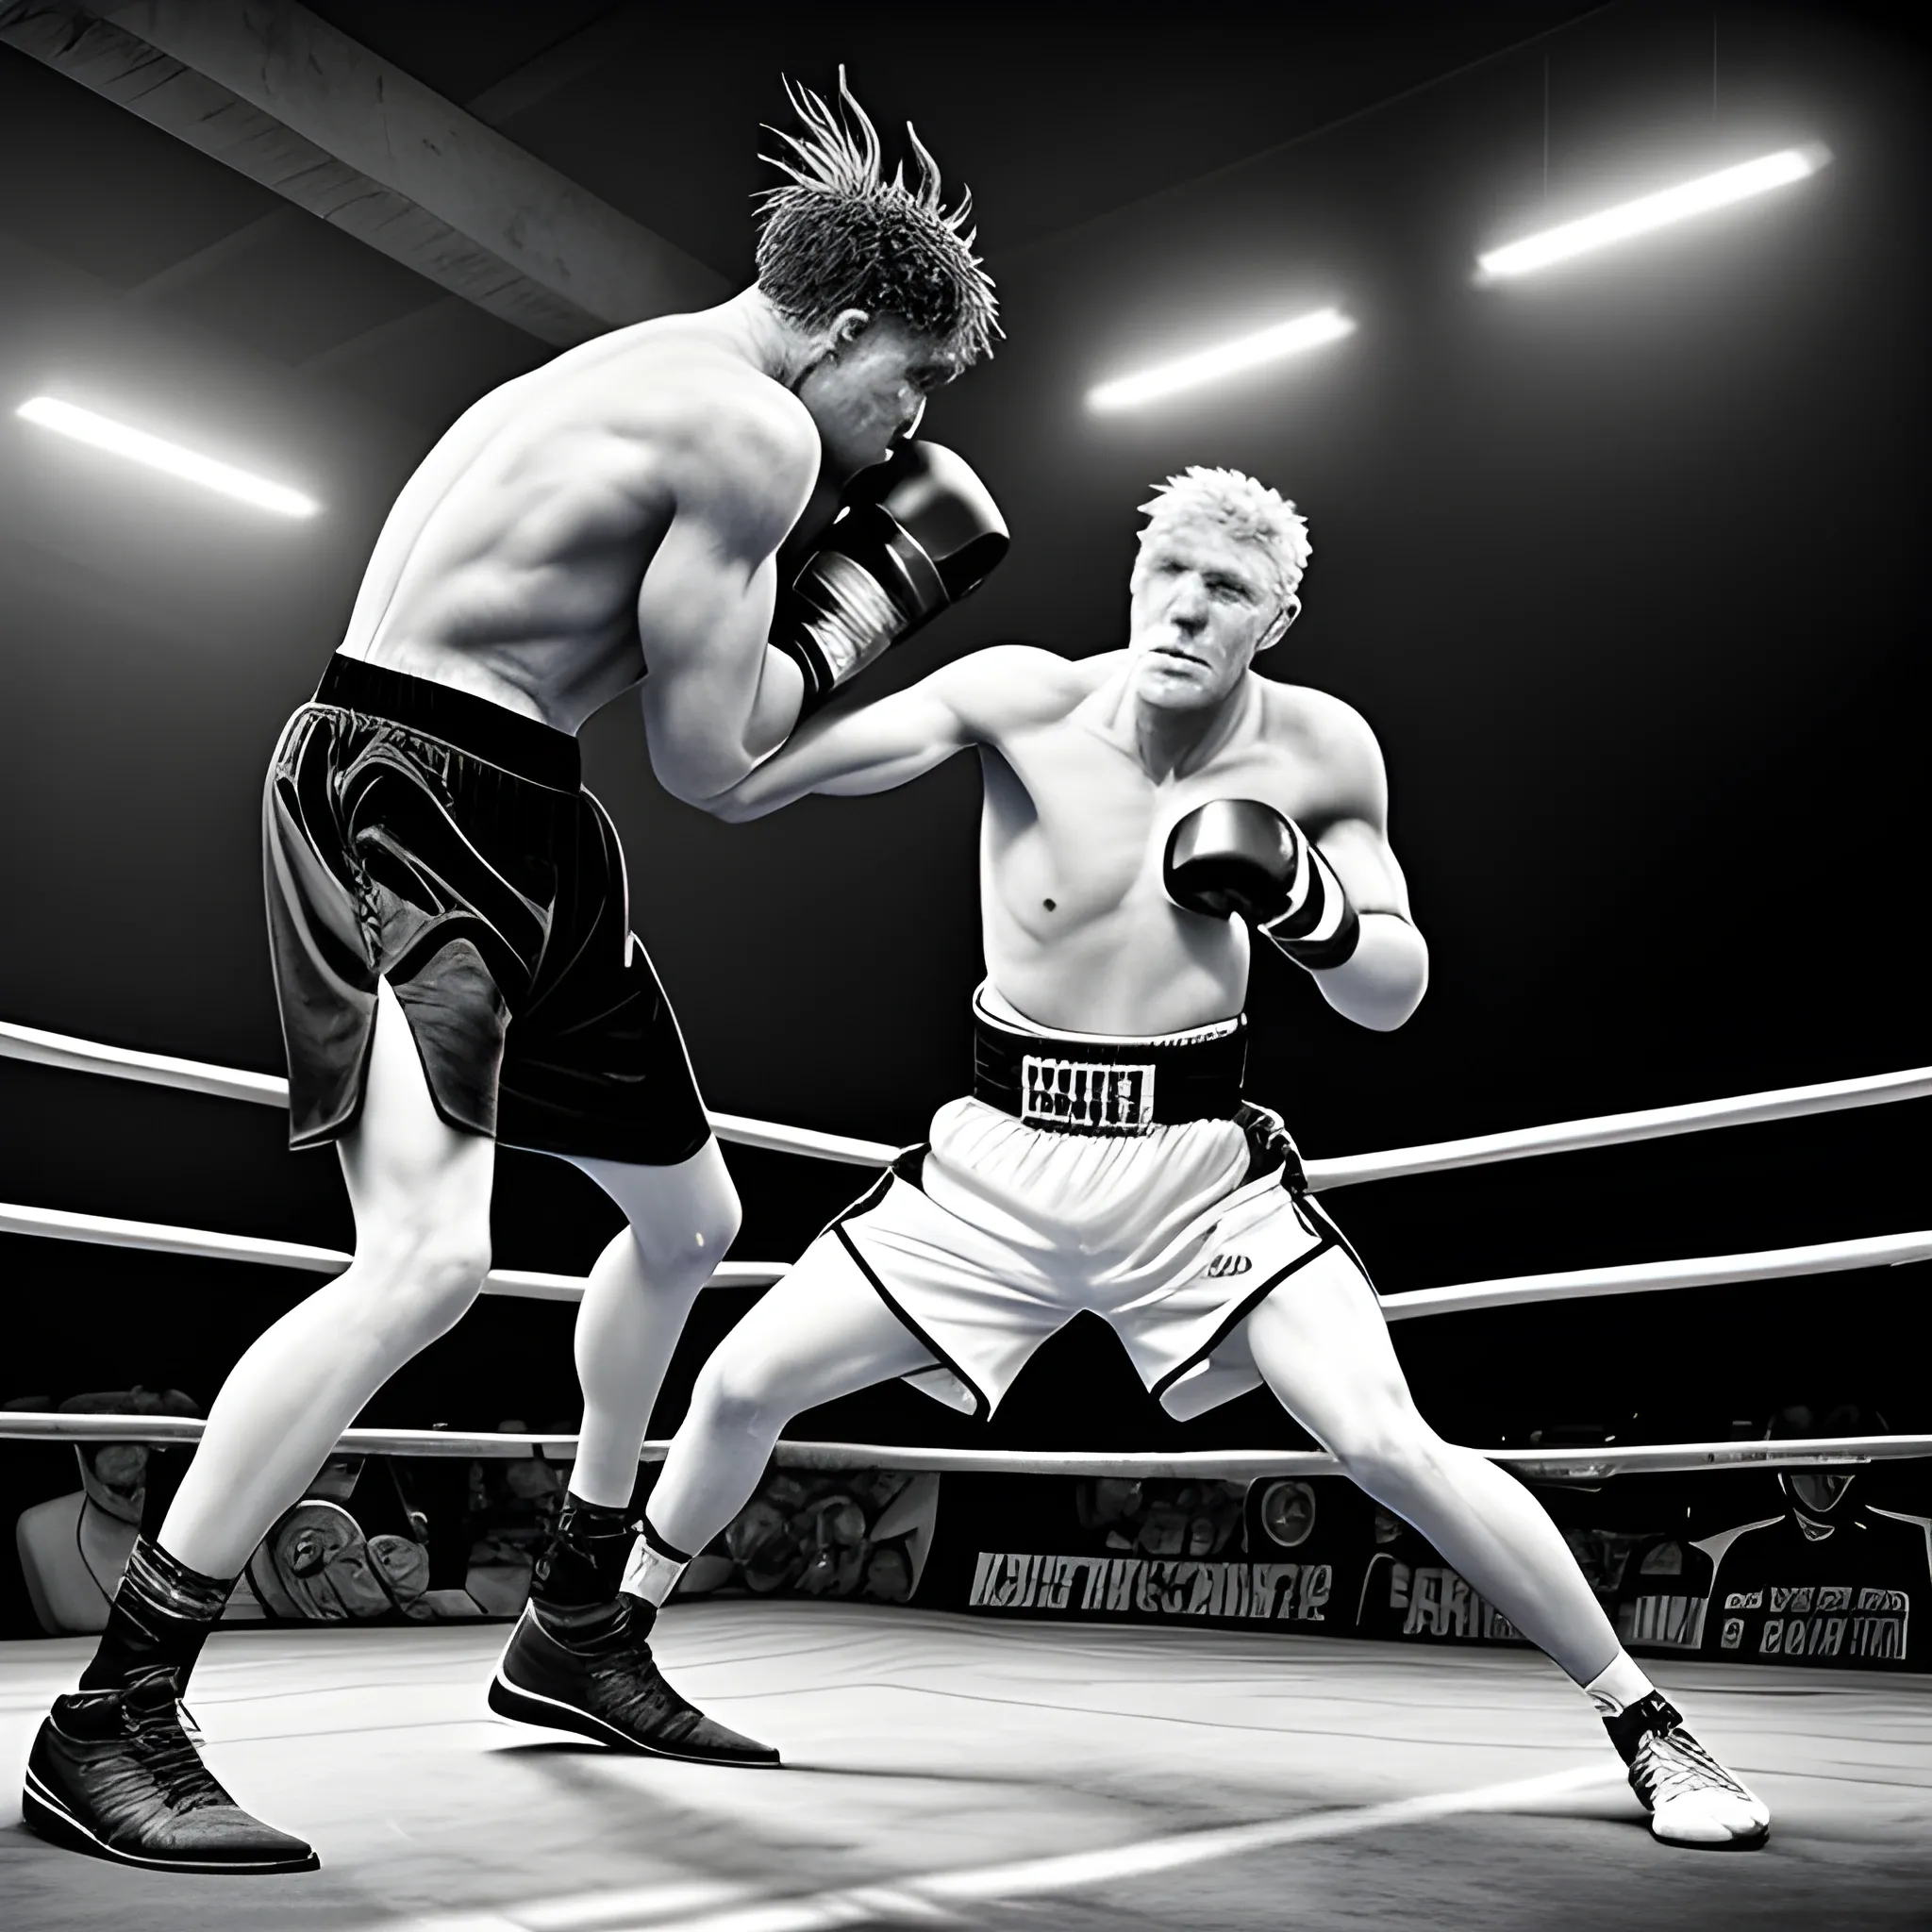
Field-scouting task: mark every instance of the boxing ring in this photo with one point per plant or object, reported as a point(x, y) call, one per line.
point(946, 1770)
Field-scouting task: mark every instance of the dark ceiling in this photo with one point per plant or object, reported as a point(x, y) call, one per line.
point(657, 111)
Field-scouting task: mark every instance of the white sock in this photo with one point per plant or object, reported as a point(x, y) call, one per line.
point(653, 1570)
point(1616, 1688)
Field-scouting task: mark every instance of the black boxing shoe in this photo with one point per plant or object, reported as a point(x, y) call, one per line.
point(112, 1773)
point(609, 1688)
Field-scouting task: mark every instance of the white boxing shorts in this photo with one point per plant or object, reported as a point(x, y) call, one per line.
point(1066, 1191)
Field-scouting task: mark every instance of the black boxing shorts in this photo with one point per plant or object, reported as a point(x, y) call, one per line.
point(427, 837)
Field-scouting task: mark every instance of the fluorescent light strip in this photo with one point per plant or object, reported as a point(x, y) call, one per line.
point(1249, 352)
point(1650, 212)
point(140, 447)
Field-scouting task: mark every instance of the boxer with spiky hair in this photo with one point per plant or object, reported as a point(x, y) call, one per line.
point(842, 237)
point(448, 915)
point(1150, 813)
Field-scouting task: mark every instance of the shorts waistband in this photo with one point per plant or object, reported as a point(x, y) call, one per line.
point(537, 752)
point(1088, 1084)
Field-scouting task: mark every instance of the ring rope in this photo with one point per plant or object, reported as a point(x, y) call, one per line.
point(1821, 1257)
point(154, 1237)
point(1616, 1129)
point(1202, 1464)
point(270, 1090)
point(1562, 1137)
point(1641, 1277)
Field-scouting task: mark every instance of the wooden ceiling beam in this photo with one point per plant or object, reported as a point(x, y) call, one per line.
point(275, 92)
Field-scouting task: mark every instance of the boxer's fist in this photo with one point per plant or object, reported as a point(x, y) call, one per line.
point(1233, 857)
point(932, 495)
point(912, 535)
point(1237, 857)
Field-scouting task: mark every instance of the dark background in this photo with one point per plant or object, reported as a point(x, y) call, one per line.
point(1623, 564)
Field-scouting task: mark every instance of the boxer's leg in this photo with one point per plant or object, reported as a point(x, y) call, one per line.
point(1323, 1345)
point(588, 1668)
point(420, 1189)
point(111, 1771)
point(820, 1333)
point(682, 1221)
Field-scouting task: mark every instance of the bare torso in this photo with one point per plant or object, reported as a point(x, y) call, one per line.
point(1080, 932)
point(511, 563)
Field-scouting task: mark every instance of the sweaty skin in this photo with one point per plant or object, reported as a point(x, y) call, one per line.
point(621, 510)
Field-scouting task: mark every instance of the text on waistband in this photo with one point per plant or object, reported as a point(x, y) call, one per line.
point(1105, 1098)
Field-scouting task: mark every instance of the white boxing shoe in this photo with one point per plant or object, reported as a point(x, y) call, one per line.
point(1692, 1800)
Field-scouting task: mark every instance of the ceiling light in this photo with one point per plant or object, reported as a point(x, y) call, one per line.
point(1650, 211)
point(157, 454)
point(1248, 352)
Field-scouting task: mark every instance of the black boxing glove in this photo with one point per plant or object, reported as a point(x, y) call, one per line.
point(1237, 856)
point(913, 534)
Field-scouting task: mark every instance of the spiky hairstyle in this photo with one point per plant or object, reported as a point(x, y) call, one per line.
point(843, 235)
point(1248, 511)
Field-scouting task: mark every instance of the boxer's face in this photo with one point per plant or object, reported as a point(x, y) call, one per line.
point(1203, 603)
point(869, 391)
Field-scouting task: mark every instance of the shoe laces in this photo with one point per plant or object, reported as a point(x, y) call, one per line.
point(1674, 1763)
point(623, 1668)
point(169, 1757)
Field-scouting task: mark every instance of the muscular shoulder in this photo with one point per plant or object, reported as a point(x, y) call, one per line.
point(732, 442)
point(1007, 688)
point(1331, 745)
point(659, 423)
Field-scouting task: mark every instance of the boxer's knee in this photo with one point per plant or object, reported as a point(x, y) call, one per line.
point(681, 1250)
point(421, 1192)
point(1387, 1448)
point(680, 1221)
point(746, 1393)
point(718, 1228)
point(416, 1275)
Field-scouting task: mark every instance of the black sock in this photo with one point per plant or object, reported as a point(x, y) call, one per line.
point(573, 1585)
point(160, 1620)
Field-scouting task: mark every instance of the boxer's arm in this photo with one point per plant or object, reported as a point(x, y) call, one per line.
point(718, 697)
point(1325, 890)
point(1383, 980)
point(873, 747)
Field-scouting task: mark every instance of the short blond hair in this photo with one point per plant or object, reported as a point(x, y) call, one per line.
point(1248, 511)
